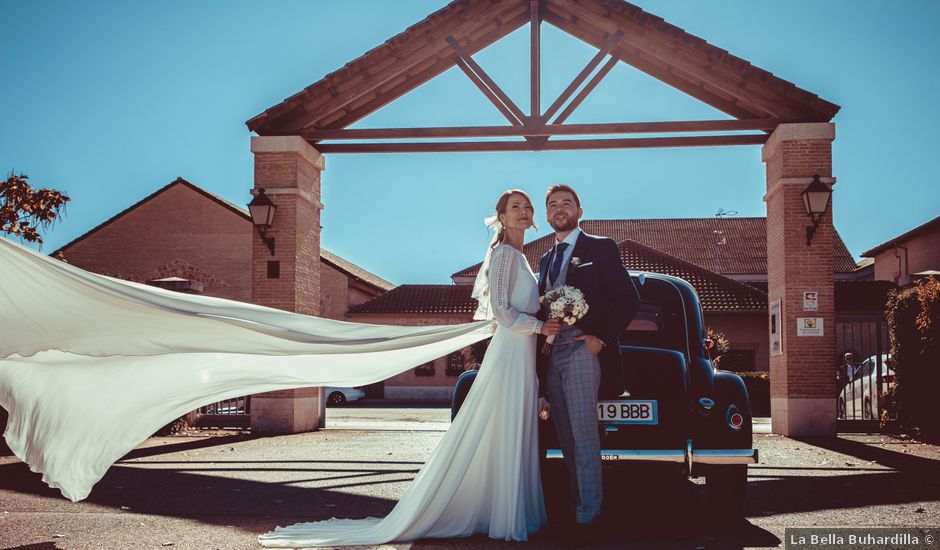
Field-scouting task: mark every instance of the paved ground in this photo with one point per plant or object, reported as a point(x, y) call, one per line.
point(202, 492)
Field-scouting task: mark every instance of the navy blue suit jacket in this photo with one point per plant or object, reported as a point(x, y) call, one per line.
point(612, 301)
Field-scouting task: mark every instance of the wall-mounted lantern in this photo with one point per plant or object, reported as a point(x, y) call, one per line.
point(262, 216)
point(816, 198)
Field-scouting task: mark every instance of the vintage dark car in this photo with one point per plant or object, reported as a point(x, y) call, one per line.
point(679, 412)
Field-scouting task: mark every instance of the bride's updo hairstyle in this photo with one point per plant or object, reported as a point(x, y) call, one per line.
point(501, 209)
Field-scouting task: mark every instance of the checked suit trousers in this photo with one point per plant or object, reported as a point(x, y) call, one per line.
point(573, 376)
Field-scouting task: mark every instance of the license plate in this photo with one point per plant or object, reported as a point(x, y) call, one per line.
point(628, 412)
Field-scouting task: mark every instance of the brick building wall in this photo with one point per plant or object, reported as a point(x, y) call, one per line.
point(802, 387)
point(177, 232)
point(408, 385)
point(745, 332)
point(920, 253)
point(334, 293)
point(358, 295)
point(292, 178)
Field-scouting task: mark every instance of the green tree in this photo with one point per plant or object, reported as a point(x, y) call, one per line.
point(25, 210)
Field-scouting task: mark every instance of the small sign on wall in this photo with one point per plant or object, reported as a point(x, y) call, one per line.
point(810, 300)
point(809, 326)
point(776, 330)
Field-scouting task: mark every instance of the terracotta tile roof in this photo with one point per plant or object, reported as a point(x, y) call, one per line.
point(354, 270)
point(694, 240)
point(421, 300)
point(900, 239)
point(716, 292)
point(649, 43)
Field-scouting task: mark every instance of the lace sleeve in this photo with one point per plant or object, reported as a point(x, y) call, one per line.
point(502, 275)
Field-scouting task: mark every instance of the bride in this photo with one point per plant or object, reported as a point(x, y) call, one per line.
point(483, 476)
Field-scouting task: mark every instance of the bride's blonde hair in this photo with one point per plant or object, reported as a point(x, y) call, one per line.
point(501, 209)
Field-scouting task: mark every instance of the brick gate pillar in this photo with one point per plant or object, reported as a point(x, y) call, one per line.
point(288, 168)
point(802, 372)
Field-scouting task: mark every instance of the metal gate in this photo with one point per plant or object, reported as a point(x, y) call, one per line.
point(230, 413)
point(861, 383)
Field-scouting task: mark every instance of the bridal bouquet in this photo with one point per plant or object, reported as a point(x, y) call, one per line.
point(566, 303)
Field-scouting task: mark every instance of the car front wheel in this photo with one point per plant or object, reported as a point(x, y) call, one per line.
point(726, 489)
point(337, 399)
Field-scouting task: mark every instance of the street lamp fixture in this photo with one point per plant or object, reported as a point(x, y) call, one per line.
point(816, 199)
point(262, 216)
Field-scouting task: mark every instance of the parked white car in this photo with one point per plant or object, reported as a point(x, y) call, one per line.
point(857, 398)
point(338, 397)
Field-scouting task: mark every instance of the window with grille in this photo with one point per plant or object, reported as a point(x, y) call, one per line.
point(454, 364)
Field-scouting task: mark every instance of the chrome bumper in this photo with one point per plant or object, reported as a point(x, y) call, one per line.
point(700, 456)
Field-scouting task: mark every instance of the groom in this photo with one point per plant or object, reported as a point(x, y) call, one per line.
point(585, 357)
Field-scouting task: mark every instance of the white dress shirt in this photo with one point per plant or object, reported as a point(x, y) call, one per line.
point(570, 240)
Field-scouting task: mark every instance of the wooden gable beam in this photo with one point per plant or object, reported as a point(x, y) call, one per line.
point(494, 99)
point(374, 75)
point(535, 53)
point(444, 59)
point(452, 132)
point(482, 77)
point(582, 76)
point(586, 90)
point(684, 62)
point(720, 101)
point(559, 145)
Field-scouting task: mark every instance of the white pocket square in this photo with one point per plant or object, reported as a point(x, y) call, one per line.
point(584, 265)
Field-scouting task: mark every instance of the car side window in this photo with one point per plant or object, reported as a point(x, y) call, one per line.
point(658, 322)
point(648, 318)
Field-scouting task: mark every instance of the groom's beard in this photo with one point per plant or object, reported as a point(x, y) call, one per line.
point(563, 224)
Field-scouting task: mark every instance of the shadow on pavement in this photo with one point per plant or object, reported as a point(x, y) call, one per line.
point(182, 491)
point(646, 507)
point(189, 445)
point(37, 546)
point(801, 493)
point(897, 460)
point(639, 508)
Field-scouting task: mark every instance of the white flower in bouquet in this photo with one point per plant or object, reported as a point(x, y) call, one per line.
point(565, 303)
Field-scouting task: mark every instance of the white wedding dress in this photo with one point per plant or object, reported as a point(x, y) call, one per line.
point(483, 476)
point(91, 366)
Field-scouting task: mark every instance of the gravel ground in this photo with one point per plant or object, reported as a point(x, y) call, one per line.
point(221, 490)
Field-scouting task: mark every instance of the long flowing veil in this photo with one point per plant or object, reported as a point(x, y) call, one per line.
point(481, 286)
point(90, 366)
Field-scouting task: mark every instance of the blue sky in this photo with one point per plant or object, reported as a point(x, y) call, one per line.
point(108, 101)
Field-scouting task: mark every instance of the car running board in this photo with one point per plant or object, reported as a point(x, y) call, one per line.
point(698, 457)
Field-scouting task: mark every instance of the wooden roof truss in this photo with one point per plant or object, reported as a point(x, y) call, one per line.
point(756, 99)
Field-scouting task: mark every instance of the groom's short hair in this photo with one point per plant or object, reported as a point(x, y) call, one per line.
point(563, 187)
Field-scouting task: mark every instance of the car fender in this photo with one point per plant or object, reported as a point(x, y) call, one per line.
point(461, 389)
point(715, 432)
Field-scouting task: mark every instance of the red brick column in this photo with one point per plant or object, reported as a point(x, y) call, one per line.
point(802, 377)
point(288, 168)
